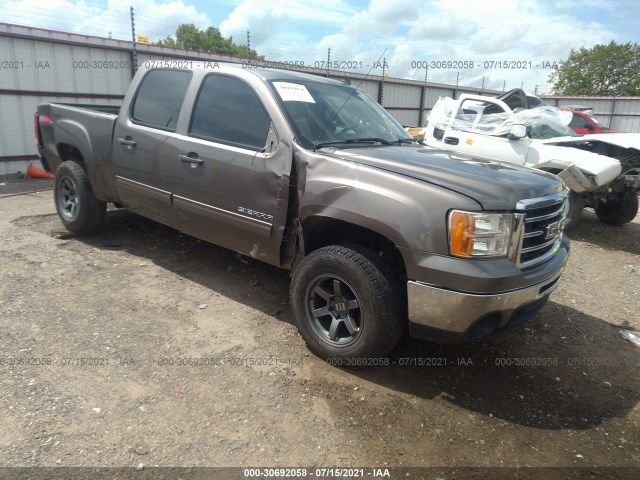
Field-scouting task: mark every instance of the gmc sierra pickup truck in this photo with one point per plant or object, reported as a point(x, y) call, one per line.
point(309, 174)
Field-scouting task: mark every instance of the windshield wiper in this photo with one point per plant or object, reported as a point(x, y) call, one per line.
point(349, 141)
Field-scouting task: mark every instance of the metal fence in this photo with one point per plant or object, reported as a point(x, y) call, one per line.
point(622, 113)
point(41, 66)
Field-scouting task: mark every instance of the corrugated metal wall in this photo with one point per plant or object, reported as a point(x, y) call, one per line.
point(44, 66)
point(16, 135)
point(615, 113)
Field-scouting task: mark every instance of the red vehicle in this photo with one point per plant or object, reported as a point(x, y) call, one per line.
point(584, 124)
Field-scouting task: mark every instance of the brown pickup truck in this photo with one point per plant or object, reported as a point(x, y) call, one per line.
point(310, 174)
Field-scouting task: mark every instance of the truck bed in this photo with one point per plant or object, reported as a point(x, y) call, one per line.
point(114, 109)
point(70, 131)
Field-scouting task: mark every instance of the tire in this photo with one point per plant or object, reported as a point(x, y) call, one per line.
point(78, 208)
point(620, 211)
point(575, 208)
point(354, 297)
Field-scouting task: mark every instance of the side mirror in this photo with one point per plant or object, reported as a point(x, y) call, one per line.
point(516, 132)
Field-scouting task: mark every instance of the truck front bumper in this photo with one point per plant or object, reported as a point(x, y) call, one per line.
point(452, 316)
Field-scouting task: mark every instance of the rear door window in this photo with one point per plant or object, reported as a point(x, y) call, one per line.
point(159, 98)
point(228, 111)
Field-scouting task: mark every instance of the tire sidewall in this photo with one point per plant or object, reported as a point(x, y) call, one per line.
point(63, 173)
point(575, 207)
point(619, 212)
point(372, 308)
point(91, 211)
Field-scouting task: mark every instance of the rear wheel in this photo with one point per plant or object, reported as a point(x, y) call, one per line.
point(346, 304)
point(78, 208)
point(619, 211)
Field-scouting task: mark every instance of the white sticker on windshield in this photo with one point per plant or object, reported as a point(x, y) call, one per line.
point(293, 92)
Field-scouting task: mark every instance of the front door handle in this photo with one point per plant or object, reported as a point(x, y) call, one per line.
point(191, 158)
point(451, 140)
point(128, 141)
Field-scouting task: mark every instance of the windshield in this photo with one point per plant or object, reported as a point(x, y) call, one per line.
point(324, 113)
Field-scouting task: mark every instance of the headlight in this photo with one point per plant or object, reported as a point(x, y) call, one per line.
point(479, 234)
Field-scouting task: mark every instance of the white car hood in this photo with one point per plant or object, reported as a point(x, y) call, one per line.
point(604, 169)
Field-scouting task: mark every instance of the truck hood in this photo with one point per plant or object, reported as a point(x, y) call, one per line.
point(496, 186)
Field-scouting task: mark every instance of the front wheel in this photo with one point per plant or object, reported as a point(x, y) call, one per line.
point(346, 304)
point(619, 211)
point(78, 208)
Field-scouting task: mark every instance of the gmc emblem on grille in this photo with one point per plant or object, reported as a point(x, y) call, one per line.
point(553, 229)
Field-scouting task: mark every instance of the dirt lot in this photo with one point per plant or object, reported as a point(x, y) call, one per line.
point(104, 322)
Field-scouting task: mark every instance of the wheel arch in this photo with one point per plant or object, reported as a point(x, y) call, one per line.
point(320, 231)
point(68, 152)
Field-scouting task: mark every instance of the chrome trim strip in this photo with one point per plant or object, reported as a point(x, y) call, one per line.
point(544, 257)
point(547, 216)
point(517, 237)
point(532, 203)
point(538, 247)
point(222, 215)
point(143, 185)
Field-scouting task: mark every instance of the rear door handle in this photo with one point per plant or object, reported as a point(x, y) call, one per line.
point(451, 140)
point(191, 158)
point(128, 140)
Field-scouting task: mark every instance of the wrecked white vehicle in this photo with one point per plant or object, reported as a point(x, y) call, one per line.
point(601, 170)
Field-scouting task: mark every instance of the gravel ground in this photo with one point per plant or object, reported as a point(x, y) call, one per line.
point(139, 346)
point(16, 184)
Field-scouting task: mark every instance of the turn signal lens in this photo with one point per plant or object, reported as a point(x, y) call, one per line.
point(461, 228)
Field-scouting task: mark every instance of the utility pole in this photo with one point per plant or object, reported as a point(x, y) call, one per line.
point(381, 96)
point(423, 99)
point(482, 88)
point(328, 60)
point(504, 85)
point(248, 45)
point(134, 53)
point(455, 92)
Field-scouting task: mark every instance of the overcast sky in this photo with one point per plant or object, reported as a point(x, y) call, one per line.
point(533, 33)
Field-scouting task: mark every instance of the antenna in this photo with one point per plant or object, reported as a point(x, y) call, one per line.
point(348, 98)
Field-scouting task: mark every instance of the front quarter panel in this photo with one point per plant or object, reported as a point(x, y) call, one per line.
point(410, 213)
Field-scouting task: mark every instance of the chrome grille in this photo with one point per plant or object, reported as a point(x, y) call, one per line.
point(542, 224)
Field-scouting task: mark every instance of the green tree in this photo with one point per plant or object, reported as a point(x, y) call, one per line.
point(210, 40)
point(612, 69)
